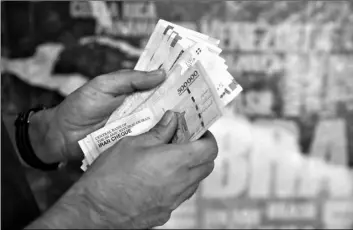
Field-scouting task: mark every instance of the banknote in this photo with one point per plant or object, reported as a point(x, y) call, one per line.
point(197, 87)
point(162, 28)
point(191, 95)
point(162, 51)
point(224, 81)
point(170, 39)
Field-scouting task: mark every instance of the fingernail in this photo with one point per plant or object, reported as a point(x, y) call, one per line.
point(168, 116)
point(159, 72)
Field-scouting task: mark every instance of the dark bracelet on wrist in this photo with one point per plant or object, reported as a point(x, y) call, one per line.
point(24, 145)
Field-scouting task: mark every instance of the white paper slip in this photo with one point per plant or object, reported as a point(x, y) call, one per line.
point(131, 125)
point(88, 158)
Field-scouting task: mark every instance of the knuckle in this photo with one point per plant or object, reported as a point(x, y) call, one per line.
point(167, 217)
point(210, 167)
point(214, 155)
point(163, 219)
point(213, 152)
point(215, 146)
point(193, 191)
point(175, 204)
point(211, 140)
point(170, 205)
point(156, 132)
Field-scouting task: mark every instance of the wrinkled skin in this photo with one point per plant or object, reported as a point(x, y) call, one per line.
point(88, 108)
point(138, 182)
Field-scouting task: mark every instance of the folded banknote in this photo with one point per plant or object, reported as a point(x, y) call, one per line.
point(198, 87)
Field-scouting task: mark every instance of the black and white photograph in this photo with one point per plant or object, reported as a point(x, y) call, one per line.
point(177, 114)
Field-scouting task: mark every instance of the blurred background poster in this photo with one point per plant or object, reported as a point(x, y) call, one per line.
point(286, 143)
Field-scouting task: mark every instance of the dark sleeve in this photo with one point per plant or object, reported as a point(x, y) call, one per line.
point(18, 206)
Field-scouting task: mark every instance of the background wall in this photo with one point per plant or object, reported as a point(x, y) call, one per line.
point(286, 146)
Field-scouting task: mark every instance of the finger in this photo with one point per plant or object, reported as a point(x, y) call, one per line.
point(199, 152)
point(160, 219)
point(199, 173)
point(185, 195)
point(125, 82)
point(161, 133)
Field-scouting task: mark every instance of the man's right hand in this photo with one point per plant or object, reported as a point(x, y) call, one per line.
point(138, 182)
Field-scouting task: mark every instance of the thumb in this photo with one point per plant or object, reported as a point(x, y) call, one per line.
point(126, 82)
point(162, 132)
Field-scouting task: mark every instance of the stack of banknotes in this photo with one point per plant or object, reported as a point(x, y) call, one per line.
point(198, 87)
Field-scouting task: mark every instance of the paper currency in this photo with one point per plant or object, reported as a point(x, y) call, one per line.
point(165, 40)
point(198, 87)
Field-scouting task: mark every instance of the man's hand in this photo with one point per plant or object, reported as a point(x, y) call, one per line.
point(137, 183)
point(55, 132)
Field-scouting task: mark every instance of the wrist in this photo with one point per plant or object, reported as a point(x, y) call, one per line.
point(74, 210)
point(46, 140)
point(70, 212)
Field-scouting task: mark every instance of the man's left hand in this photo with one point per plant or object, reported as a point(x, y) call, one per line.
point(55, 132)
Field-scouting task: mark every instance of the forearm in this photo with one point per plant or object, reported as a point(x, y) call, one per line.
point(77, 209)
point(45, 139)
point(73, 211)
